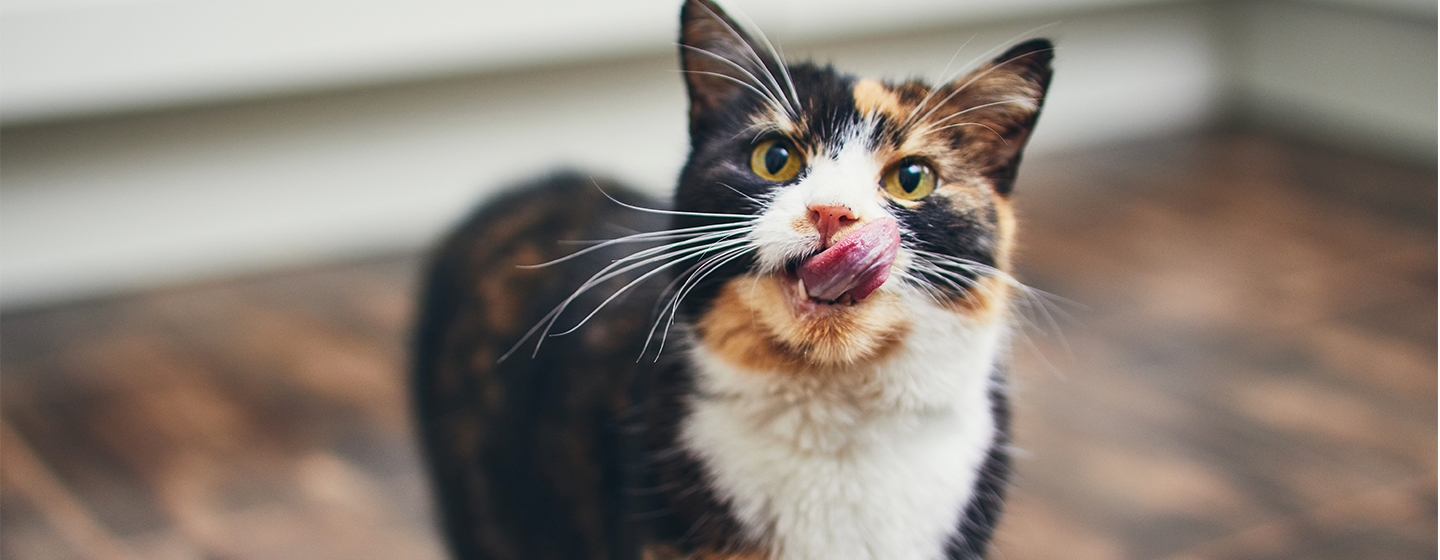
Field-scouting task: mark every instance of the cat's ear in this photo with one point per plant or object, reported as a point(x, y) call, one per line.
point(998, 105)
point(719, 60)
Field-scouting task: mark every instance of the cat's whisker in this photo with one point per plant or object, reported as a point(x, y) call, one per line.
point(932, 127)
point(698, 232)
point(714, 242)
point(776, 55)
point(1034, 295)
point(1029, 294)
point(937, 273)
point(958, 125)
point(610, 271)
point(714, 264)
point(947, 276)
point(920, 284)
point(548, 321)
point(791, 111)
point(652, 235)
point(785, 69)
point(762, 128)
point(657, 253)
point(1014, 305)
point(975, 78)
point(962, 283)
point(658, 309)
point(642, 278)
point(932, 263)
point(772, 96)
point(759, 204)
point(747, 217)
point(763, 95)
point(697, 240)
point(946, 76)
point(673, 302)
point(987, 53)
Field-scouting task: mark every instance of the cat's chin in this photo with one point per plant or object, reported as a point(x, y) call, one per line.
point(768, 322)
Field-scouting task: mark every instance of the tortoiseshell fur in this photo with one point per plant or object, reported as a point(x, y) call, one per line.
point(575, 452)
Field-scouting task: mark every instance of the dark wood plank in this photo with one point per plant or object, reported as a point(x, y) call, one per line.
point(1256, 352)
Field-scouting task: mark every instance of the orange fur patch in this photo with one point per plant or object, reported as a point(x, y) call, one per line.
point(873, 97)
point(1004, 233)
point(984, 303)
point(764, 323)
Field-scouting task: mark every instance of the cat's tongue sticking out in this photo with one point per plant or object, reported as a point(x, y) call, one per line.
point(855, 266)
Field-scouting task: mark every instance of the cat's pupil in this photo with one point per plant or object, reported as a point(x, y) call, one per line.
point(909, 177)
point(775, 158)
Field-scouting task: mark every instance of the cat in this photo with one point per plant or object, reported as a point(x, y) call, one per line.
point(801, 356)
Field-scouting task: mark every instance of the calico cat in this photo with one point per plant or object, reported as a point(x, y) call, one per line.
point(801, 357)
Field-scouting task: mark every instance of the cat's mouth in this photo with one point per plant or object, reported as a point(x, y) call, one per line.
point(851, 269)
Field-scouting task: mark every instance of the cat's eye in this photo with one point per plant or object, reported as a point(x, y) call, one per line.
point(775, 160)
point(911, 180)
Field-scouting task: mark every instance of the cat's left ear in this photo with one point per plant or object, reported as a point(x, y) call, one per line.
point(999, 104)
point(721, 61)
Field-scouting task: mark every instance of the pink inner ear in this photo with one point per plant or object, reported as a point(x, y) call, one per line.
point(857, 265)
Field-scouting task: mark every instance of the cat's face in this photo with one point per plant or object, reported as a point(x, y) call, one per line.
point(854, 202)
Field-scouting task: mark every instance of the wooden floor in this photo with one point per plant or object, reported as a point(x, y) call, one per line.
point(1248, 371)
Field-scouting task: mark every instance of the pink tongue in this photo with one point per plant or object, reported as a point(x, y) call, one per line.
point(857, 265)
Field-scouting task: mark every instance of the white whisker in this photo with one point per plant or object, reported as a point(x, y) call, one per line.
point(672, 212)
point(972, 62)
point(958, 125)
point(790, 111)
point(662, 235)
point(1030, 296)
point(945, 77)
point(759, 204)
point(693, 277)
point(610, 271)
point(631, 284)
point(931, 127)
point(769, 95)
point(972, 80)
point(785, 69)
point(775, 54)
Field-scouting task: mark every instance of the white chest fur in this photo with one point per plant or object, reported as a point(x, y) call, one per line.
point(874, 463)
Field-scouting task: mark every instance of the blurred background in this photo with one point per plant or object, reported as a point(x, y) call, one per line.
point(212, 213)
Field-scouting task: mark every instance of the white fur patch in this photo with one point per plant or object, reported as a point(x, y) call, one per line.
point(875, 463)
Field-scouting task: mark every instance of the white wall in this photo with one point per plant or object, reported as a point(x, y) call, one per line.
point(64, 58)
point(1360, 74)
point(94, 204)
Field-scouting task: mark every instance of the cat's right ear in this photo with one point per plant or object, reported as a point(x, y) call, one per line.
point(719, 60)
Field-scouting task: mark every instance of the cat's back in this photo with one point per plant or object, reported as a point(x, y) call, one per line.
point(527, 453)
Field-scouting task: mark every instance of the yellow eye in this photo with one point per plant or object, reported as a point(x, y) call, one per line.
point(775, 160)
point(910, 180)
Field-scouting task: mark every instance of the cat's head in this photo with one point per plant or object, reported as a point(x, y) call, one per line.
point(852, 203)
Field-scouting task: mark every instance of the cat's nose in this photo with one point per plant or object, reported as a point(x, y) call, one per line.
point(830, 219)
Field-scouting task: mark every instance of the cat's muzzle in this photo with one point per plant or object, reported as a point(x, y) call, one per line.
point(853, 268)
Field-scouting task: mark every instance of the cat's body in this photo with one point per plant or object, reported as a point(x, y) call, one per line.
point(831, 384)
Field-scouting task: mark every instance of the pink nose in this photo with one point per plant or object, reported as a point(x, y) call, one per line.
point(830, 219)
